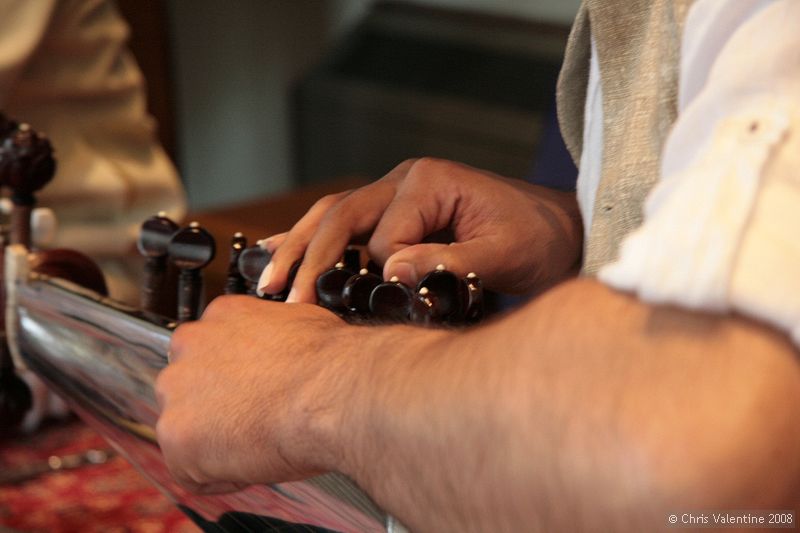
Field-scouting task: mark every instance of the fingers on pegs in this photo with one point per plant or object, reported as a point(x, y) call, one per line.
point(190, 249)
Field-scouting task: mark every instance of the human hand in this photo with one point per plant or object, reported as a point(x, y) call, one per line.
point(245, 397)
point(516, 236)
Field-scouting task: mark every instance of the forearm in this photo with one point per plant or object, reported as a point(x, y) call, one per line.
point(586, 410)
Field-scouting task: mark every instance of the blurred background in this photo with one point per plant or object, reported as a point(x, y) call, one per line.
point(257, 97)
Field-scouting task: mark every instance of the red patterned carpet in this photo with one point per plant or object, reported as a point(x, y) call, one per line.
point(110, 497)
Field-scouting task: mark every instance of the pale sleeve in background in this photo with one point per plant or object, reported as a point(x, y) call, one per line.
point(720, 231)
point(65, 69)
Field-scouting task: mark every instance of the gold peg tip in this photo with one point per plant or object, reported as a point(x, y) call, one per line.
point(238, 235)
point(424, 291)
point(440, 267)
point(472, 275)
point(162, 214)
point(394, 279)
point(339, 265)
point(194, 224)
point(363, 271)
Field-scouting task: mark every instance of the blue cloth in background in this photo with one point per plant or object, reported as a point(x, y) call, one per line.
point(552, 165)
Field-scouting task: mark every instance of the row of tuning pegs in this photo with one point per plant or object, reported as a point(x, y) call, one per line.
point(440, 297)
point(359, 293)
point(189, 249)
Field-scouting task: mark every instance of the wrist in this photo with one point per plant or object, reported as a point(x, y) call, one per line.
point(383, 365)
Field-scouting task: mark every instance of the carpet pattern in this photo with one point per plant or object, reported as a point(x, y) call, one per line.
point(111, 497)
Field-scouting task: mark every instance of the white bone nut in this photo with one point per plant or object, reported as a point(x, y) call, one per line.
point(44, 227)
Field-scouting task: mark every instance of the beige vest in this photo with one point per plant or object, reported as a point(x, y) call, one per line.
point(638, 48)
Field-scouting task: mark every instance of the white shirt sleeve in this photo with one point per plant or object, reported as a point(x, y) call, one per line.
point(720, 230)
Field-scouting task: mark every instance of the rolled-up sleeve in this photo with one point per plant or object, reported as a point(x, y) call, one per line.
point(721, 227)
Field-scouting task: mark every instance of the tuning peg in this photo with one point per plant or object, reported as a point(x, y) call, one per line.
point(153, 243)
point(352, 259)
point(252, 262)
point(474, 286)
point(391, 301)
point(330, 287)
point(357, 291)
point(190, 250)
point(235, 282)
point(26, 165)
point(449, 291)
point(425, 308)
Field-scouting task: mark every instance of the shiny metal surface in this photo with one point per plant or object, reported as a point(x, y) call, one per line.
point(102, 358)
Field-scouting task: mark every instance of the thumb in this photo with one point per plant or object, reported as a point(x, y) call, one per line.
point(412, 263)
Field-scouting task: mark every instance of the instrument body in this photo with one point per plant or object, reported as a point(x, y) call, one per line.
point(103, 357)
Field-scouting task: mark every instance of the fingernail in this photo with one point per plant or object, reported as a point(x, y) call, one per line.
point(406, 272)
point(293, 297)
point(263, 243)
point(266, 277)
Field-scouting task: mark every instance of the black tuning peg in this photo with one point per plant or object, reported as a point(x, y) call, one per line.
point(190, 250)
point(357, 291)
point(449, 291)
point(153, 243)
point(235, 282)
point(330, 287)
point(26, 165)
point(391, 301)
point(252, 262)
point(425, 308)
point(352, 259)
point(474, 297)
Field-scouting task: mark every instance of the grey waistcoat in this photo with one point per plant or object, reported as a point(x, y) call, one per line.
point(638, 48)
